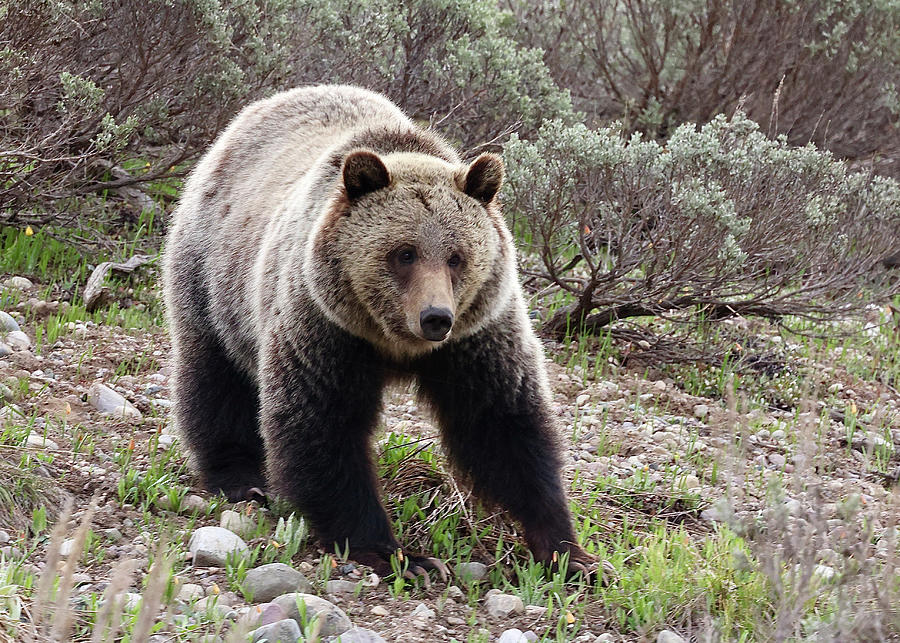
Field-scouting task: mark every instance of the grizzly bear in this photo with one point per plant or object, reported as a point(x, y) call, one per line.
point(323, 247)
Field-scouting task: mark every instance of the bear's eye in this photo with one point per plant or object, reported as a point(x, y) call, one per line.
point(406, 256)
point(454, 261)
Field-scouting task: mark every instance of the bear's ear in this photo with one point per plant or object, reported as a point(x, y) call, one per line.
point(364, 172)
point(484, 177)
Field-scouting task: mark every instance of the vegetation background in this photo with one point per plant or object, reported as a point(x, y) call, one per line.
point(704, 193)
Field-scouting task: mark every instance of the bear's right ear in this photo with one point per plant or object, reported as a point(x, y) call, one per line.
point(364, 172)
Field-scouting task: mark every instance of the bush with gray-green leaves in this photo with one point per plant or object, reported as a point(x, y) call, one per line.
point(96, 96)
point(719, 221)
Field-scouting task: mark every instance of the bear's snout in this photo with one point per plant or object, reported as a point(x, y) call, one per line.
point(435, 323)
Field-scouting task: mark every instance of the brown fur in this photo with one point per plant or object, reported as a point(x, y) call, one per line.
point(310, 245)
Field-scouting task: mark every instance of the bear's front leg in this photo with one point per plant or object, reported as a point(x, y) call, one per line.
point(491, 401)
point(319, 405)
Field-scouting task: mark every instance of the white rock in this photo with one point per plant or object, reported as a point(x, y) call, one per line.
point(19, 283)
point(379, 610)
point(422, 612)
point(582, 399)
point(668, 636)
point(700, 412)
point(824, 572)
point(691, 481)
point(606, 637)
point(132, 600)
point(211, 546)
point(504, 605)
point(18, 340)
point(333, 620)
point(513, 636)
point(66, 547)
point(38, 440)
point(165, 441)
point(110, 403)
point(5, 349)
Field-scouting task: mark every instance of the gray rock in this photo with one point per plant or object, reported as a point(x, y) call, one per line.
point(668, 636)
point(211, 546)
point(283, 631)
point(5, 350)
point(503, 605)
point(793, 506)
point(193, 504)
point(357, 635)
point(18, 340)
point(4, 537)
point(719, 512)
point(422, 612)
point(333, 620)
point(266, 582)
point(7, 323)
point(606, 637)
point(701, 411)
point(340, 587)
point(189, 593)
point(110, 403)
point(473, 571)
point(113, 534)
point(455, 594)
point(38, 440)
point(776, 460)
point(244, 526)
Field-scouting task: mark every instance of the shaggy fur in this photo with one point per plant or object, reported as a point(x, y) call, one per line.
point(309, 242)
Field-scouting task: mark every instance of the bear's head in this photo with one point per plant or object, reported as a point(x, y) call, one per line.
point(412, 251)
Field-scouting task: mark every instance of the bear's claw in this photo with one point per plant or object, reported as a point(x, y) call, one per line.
point(417, 566)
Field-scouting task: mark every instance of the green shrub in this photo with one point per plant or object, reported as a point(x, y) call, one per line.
point(825, 72)
point(721, 221)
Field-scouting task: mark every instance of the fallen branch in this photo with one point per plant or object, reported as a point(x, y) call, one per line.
point(95, 293)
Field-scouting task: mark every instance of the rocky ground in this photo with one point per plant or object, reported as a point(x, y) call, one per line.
point(93, 405)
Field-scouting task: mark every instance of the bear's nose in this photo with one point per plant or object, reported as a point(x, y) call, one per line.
point(435, 323)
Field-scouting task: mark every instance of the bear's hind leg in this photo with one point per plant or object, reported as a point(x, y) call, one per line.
point(216, 409)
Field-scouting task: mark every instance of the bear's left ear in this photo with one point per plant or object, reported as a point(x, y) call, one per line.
point(483, 179)
point(364, 172)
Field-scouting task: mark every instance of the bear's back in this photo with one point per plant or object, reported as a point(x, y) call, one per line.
point(251, 175)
